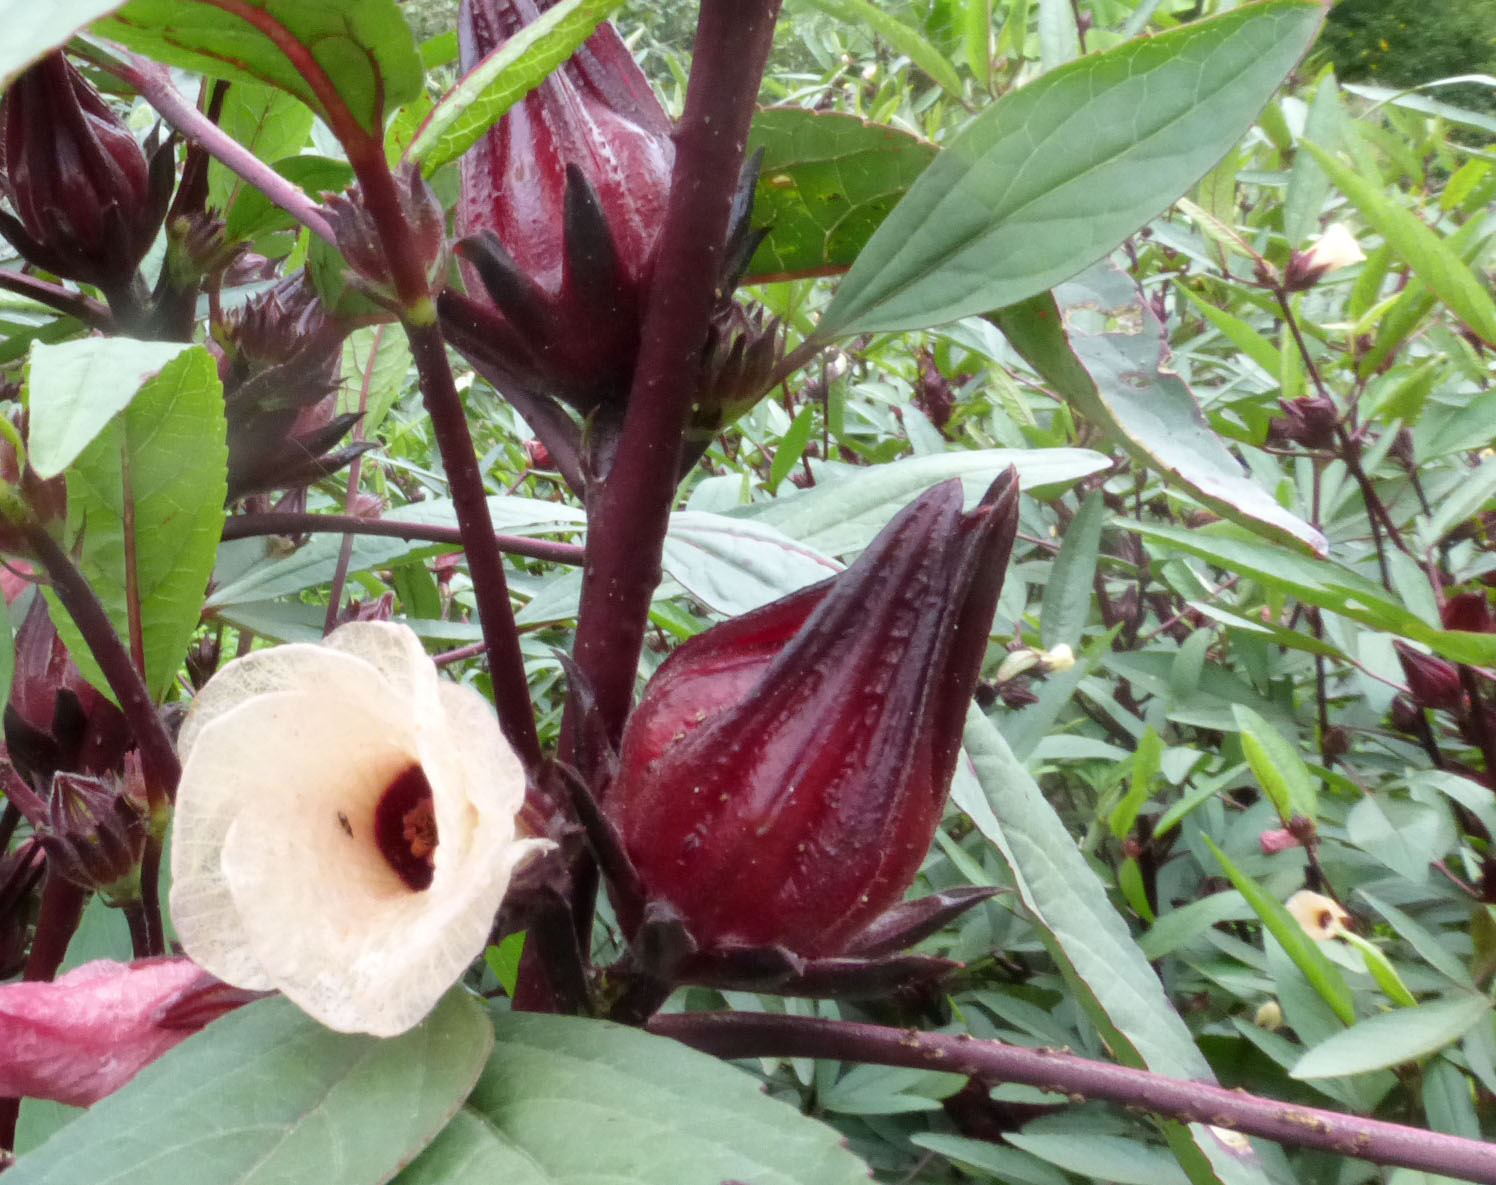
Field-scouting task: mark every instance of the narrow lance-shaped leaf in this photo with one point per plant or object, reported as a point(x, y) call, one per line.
point(503, 78)
point(1056, 174)
point(1432, 259)
point(364, 47)
point(1118, 380)
point(1090, 941)
point(902, 37)
point(1392, 1038)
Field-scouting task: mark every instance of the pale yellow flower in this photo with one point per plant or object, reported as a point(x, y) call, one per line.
point(1334, 249)
point(345, 827)
point(1320, 916)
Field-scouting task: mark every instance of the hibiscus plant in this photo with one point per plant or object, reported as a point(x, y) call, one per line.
point(519, 543)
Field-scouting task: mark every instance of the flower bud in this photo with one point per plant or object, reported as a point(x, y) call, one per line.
point(1468, 611)
point(278, 359)
point(359, 240)
point(1308, 421)
point(1333, 250)
point(56, 720)
point(782, 777)
point(20, 873)
point(1432, 682)
point(87, 202)
point(95, 832)
point(561, 205)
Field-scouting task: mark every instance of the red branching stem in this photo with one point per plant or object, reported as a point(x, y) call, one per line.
point(748, 1034)
point(631, 511)
point(158, 758)
point(153, 84)
point(73, 304)
point(245, 526)
point(506, 662)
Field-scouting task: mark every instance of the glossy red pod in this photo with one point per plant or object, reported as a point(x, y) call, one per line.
point(783, 775)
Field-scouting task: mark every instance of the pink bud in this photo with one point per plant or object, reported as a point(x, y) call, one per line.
point(88, 1033)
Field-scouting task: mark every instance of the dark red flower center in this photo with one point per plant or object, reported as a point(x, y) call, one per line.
point(405, 827)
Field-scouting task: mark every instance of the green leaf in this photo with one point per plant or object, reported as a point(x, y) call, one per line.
point(1322, 974)
point(1059, 37)
point(1308, 187)
point(267, 1095)
point(364, 48)
point(1056, 174)
point(1277, 766)
point(1067, 592)
point(1432, 259)
point(842, 514)
point(503, 78)
point(148, 493)
point(827, 181)
point(567, 1101)
point(1088, 939)
point(1115, 1159)
point(905, 40)
point(76, 387)
point(1321, 582)
point(253, 214)
point(791, 446)
point(732, 566)
point(270, 123)
point(1392, 1038)
point(31, 29)
point(1115, 377)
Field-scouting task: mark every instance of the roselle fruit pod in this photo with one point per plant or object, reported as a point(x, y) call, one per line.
point(561, 207)
point(1432, 682)
point(87, 202)
point(1468, 611)
point(95, 832)
point(278, 359)
point(783, 775)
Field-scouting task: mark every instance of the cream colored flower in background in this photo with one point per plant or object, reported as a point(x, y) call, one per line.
point(345, 827)
point(1334, 249)
point(1320, 916)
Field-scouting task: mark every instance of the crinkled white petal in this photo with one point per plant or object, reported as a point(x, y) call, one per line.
point(289, 751)
point(295, 759)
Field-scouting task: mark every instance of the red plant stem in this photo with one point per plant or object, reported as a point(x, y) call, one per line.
point(153, 84)
point(379, 193)
point(158, 757)
point(245, 526)
point(73, 304)
point(631, 511)
point(748, 1034)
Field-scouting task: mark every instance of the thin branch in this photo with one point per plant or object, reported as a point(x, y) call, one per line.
point(154, 85)
point(245, 526)
point(91, 312)
point(748, 1034)
point(158, 757)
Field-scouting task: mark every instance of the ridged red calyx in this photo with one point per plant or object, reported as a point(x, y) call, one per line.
point(1468, 611)
point(561, 206)
point(87, 202)
point(1308, 421)
point(1432, 682)
point(782, 777)
point(278, 359)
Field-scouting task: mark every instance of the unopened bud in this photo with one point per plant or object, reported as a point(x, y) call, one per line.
point(1432, 682)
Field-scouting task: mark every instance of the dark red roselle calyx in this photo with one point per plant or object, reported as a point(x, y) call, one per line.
point(1308, 421)
point(1468, 611)
point(278, 359)
point(1432, 682)
point(87, 202)
point(784, 773)
point(561, 206)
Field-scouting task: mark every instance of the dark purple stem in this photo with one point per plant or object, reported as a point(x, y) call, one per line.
point(244, 526)
point(154, 85)
point(158, 758)
point(630, 513)
point(749, 1034)
point(64, 300)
